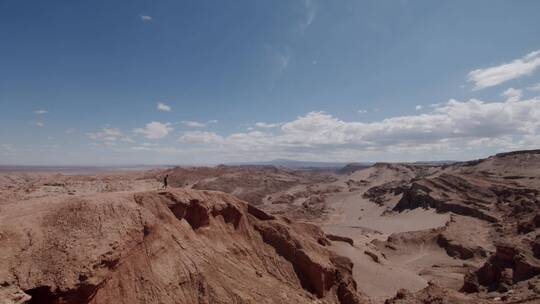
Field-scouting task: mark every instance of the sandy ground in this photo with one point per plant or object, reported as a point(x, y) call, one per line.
point(381, 280)
point(352, 212)
point(363, 221)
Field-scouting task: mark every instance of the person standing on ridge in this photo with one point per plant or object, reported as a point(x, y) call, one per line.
point(165, 183)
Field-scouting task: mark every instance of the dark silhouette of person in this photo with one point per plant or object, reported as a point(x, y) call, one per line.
point(165, 182)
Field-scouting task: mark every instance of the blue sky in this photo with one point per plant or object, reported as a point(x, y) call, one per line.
point(80, 81)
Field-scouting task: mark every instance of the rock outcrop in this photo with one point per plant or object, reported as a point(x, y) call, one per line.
point(473, 244)
point(177, 246)
point(420, 195)
point(339, 238)
point(433, 294)
point(507, 266)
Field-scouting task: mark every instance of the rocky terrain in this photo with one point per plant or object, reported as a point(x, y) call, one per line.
point(464, 232)
point(256, 184)
point(18, 186)
point(178, 246)
point(495, 207)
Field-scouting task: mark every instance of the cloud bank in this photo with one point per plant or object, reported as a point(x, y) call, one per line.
point(452, 125)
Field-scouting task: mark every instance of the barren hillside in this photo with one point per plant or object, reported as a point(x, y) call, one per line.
point(181, 246)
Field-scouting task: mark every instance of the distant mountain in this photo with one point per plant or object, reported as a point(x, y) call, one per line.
point(289, 163)
point(342, 167)
point(436, 162)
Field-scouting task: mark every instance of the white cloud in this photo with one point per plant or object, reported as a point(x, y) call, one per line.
point(193, 124)
point(418, 107)
point(197, 124)
point(146, 18)
point(146, 146)
point(310, 8)
point(154, 130)
point(200, 137)
point(163, 107)
point(512, 94)
point(106, 134)
point(449, 126)
point(362, 111)
point(38, 124)
point(41, 112)
point(267, 125)
point(504, 141)
point(309, 13)
point(492, 76)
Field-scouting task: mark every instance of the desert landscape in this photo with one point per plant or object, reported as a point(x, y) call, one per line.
point(270, 152)
point(462, 232)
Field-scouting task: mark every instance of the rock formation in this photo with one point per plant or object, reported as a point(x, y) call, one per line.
point(177, 246)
